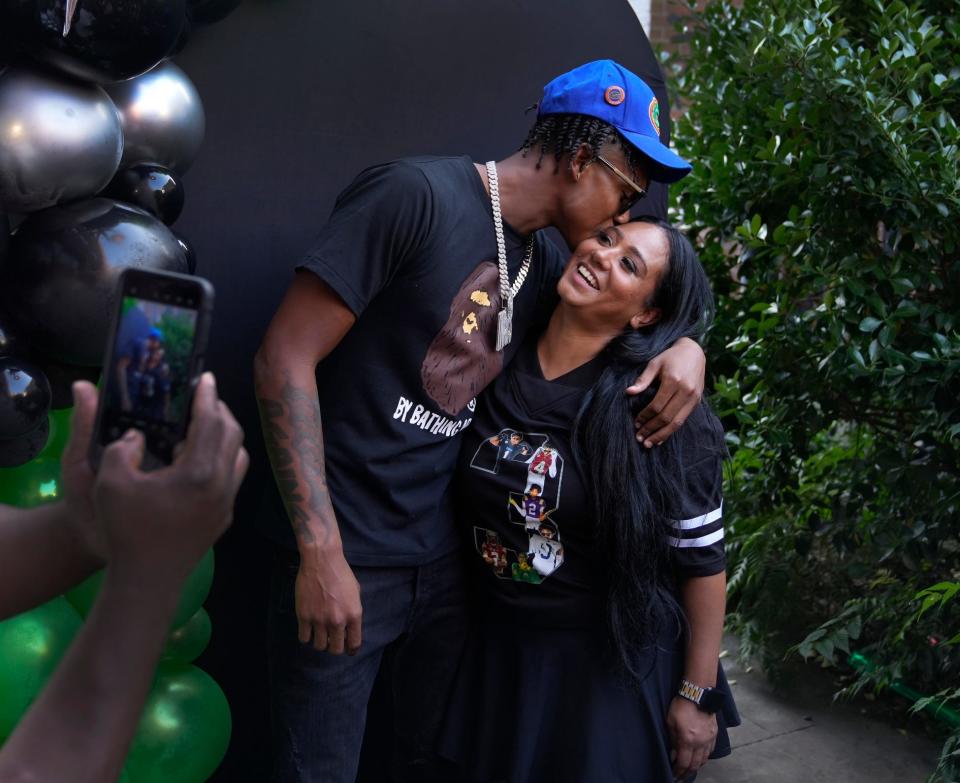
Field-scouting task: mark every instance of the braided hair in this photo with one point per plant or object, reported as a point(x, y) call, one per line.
point(562, 134)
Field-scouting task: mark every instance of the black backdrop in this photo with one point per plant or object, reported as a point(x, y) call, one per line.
point(300, 95)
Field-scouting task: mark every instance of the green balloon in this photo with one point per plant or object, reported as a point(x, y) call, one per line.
point(33, 484)
point(189, 640)
point(82, 596)
point(195, 591)
point(31, 646)
point(60, 421)
point(184, 730)
point(38, 481)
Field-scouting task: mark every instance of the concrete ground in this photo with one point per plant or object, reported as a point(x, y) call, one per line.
point(804, 738)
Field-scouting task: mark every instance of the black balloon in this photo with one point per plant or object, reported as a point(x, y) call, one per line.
point(102, 40)
point(4, 235)
point(190, 254)
point(59, 285)
point(9, 344)
point(24, 397)
point(8, 47)
point(209, 11)
point(150, 187)
point(19, 451)
point(61, 377)
point(184, 37)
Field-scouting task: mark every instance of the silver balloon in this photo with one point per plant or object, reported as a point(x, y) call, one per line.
point(59, 140)
point(162, 117)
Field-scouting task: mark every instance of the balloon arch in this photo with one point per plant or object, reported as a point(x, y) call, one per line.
point(97, 130)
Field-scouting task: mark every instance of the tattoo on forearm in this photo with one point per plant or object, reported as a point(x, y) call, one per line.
point(299, 441)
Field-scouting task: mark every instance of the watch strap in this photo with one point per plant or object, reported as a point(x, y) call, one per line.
point(706, 699)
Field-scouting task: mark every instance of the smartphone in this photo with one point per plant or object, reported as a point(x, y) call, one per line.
point(155, 353)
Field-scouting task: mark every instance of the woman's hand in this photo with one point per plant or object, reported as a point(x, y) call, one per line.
point(693, 735)
point(681, 370)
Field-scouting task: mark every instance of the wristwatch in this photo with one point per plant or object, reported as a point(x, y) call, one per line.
point(707, 699)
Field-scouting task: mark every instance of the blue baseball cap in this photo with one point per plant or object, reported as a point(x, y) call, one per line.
point(608, 91)
point(155, 333)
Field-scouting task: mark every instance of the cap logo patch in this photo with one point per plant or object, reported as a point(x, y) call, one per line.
point(615, 95)
point(655, 115)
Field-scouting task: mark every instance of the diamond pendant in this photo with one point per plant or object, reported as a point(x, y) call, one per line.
point(505, 325)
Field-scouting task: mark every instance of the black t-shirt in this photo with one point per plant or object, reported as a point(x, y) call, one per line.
point(411, 250)
point(527, 515)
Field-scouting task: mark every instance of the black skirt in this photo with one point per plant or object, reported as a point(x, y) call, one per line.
point(534, 705)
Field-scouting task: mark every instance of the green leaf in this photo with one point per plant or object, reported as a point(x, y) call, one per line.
point(928, 603)
point(825, 647)
point(906, 310)
point(870, 324)
point(809, 27)
point(854, 627)
point(857, 357)
point(902, 285)
point(856, 286)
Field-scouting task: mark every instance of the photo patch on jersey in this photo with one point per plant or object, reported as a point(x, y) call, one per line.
point(530, 468)
point(493, 552)
point(545, 549)
point(531, 507)
point(507, 446)
point(545, 464)
point(523, 570)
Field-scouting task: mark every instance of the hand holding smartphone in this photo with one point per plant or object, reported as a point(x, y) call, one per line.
point(158, 338)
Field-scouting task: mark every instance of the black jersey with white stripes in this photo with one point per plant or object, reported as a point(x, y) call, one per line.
point(526, 514)
point(697, 516)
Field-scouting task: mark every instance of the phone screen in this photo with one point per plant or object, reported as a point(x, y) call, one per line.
point(151, 365)
point(154, 358)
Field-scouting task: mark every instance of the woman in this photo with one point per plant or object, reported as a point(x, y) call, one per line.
point(598, 565)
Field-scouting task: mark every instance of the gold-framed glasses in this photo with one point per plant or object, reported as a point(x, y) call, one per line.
point(627, 200)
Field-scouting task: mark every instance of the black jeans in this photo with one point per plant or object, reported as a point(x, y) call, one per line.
point(414, 617)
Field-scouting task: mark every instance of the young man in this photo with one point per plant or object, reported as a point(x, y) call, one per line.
point(405, 309)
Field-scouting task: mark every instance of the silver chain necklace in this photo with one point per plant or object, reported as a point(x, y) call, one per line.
point(507, 291)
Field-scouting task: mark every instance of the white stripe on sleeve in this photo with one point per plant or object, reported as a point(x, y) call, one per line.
point(701, 521)
point(707, 540)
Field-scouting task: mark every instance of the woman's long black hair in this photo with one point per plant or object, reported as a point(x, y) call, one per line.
point(633, 486)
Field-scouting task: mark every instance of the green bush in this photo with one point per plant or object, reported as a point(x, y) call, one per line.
point(825, 203)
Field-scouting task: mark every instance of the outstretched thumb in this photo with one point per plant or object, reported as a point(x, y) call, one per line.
point(81, 423)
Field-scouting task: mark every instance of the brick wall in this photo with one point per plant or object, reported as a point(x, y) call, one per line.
point(661, 25)
point(663, 17)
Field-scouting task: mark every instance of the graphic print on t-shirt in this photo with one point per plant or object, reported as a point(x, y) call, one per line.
point(461, 360)
point(527, 460)
point(543, 466)
point(494, 553)
point(508, 445)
